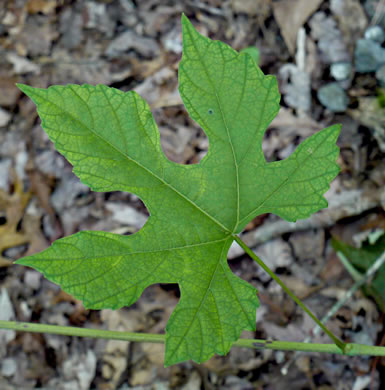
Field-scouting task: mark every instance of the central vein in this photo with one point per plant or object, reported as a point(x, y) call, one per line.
point(204, 66)
point(234, 159)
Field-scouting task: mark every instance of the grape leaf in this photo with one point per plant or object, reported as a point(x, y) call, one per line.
point(112, 141)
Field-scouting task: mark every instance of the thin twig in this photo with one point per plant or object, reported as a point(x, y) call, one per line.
point(300, 55)
point(378, 13)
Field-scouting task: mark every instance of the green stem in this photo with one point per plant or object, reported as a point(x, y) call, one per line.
point(350, 349)
point(340, 344)
point(81, 332)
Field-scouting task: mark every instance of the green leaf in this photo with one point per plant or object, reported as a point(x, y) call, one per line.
point(112, 141)
point(362, 259)
point(253, 52)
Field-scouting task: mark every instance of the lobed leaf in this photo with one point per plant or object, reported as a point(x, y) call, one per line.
point(112, 141)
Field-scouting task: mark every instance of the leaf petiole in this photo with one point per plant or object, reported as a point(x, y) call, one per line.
point(339, 343)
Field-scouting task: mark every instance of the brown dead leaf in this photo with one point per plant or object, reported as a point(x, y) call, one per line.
point(333, 268)
point(9, 92)
point(12, 206)
point(284, 130)
point(286, 121)
point(32, 230)
point(352, 20)
point(376, 221)
point(144, 69)
point(14, 233)
point(44, 6)
point(300, 288)
point(251, 7)
point(115, 354)
point(160, 89)
point(291, 15)
point(41, 187)
point(62, 296)
point(371, 114)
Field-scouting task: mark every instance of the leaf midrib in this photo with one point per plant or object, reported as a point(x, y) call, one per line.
point(225, 125)
point(195, 315)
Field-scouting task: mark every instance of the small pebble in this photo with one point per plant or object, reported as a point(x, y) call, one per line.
point(341, 70)
point(279, 357)
point(376, 34)
point(26, 310)
point(5, 117)
point(32, 279)
point(333, 97)
point(8, 367)
point(368, 55)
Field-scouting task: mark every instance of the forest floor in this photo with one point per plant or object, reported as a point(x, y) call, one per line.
point(329, 59)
